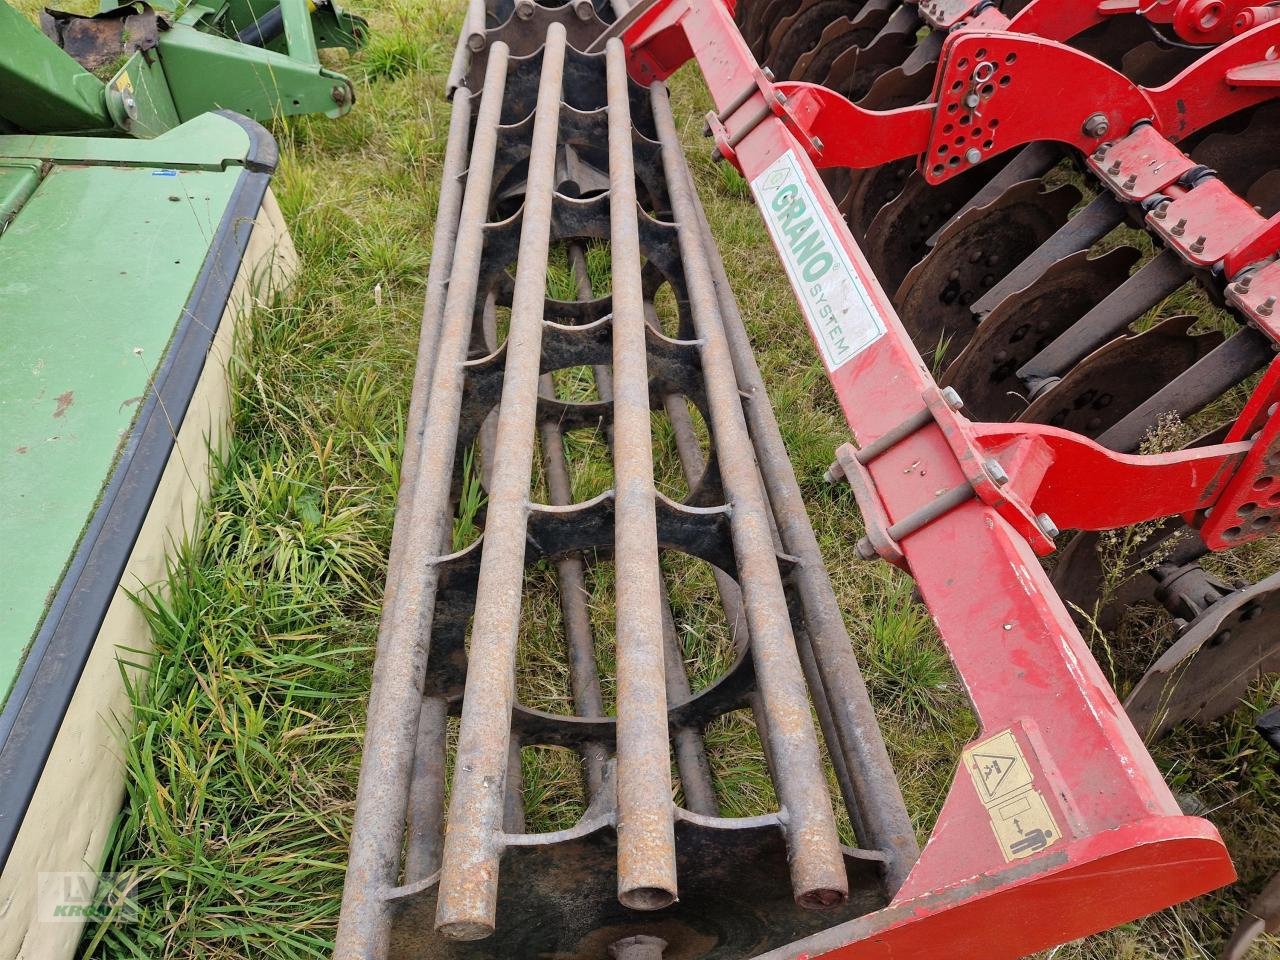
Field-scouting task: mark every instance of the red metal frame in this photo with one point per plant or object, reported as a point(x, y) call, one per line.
point(1058, 824)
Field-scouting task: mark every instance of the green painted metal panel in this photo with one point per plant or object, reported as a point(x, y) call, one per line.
point(43, 88)
point(95, 271)
point(18, 180)
point(208, 142)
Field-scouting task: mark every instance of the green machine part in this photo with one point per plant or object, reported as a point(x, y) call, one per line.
point(141, 69)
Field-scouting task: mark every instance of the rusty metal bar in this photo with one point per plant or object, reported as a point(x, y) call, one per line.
point(818, 876)
point(469, 874)
point(395, 697)
point(646, 828)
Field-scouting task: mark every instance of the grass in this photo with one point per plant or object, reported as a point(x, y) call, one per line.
point(243, 760)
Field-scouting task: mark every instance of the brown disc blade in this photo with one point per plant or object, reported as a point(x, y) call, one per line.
point(973, 253)
point(838, 37)
point(796, 35)
point(1116, 378)
point(985, 371)
point(1211, 666)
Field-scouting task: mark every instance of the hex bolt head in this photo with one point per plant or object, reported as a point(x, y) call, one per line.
point(951, 398)
point(1179, 228)
point(1267, 306)
point(1132, 182)
point(1162, 211)
point(995, 472)
point(1244, 283)
point(1097, 126)
point(1047, 526)
point(1114, 168)
point(973, 155)
point(1198, 246)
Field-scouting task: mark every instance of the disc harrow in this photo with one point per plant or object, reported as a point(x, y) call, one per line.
point(1029, 285)
point(1037, 281)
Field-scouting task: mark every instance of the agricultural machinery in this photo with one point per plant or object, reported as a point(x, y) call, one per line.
point(980, 207)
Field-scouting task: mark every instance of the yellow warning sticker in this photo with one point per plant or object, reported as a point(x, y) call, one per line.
point(124, 83)
point(1020, 817)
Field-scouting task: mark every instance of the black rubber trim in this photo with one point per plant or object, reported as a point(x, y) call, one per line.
point(43, 690)
point(264, 152)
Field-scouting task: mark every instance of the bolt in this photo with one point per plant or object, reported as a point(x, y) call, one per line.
point(817, 143)
point(1131, 182)
point(996, 472)
point(780, 96)
point(1267, 306)
point(338, 94)
point(975, 256)
point(1162, 211)
point(1096, 126)
point(768, 74)
point(971, 101)
point(973, 155)
point(1047, 526)
point(1179, 228)
point(1114, 168)
point(951, 398)
point(1244, 283)
point(1198, 246)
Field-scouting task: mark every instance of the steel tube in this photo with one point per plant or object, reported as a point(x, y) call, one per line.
point(646, 825)
point(817, 865)
point(426, 792)
point(877, 794)
point(469, 874)
point(395, 696)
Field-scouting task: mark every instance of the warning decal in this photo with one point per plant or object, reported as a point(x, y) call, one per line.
point(833, 298)
point(1020, 817)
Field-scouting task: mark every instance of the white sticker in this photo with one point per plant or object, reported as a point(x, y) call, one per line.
point(833, 299)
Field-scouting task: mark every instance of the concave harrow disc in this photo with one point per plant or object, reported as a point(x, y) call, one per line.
point(1037, 305)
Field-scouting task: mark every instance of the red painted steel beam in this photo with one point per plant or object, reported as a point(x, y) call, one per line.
point(1058, 824)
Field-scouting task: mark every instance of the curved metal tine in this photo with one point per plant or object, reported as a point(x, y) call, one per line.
point(985, 371)
point(970, 256)
point(1122, 376)
point(1029, 163)
point(1243, 354)
point(1150, 284)
point(817, 868)
point(1214, 661)
point(1102, 215)
point(394, 702)
point(469, 872)
point(856, 72)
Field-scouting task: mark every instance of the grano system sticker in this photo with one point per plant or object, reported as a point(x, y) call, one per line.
point(834, 300)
